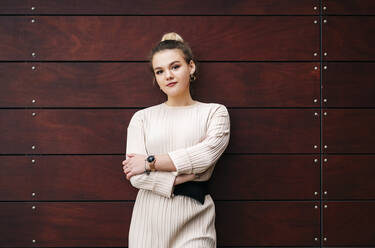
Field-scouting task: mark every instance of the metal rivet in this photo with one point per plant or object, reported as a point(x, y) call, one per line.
point(33, 147)
point(325, 67)
point(33, 101)
point(315, 68)
point(315, 100)
point(34, 240)
point(33, 67)
point(33, 207)
point(33, 161)
point(315, 193)
point(325, 113)
point(325, 160)
point(325, 20)
point(325, 146)
point(324, 100)
point(316, 160)
point(32, 8)
point(316, 206)
point(315, 146)
point(325, 239)
point(32, 20)
point(325, 54)
point(315, 7)
point(324, 7)
point(316, 239)
point(325, 206)
point(316, 113)
point(325, 192)
point(33, 194)
point(315, 21)
point(33, 114)
point(315, 54)
point(33, 54)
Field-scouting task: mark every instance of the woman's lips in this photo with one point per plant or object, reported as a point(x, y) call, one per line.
point(171, 84)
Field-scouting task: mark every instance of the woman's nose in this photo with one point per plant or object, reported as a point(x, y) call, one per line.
point(168, 74)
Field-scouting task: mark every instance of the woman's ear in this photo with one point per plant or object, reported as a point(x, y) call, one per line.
point(192, 66)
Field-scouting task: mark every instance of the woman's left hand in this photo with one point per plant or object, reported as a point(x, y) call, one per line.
point(134, 165)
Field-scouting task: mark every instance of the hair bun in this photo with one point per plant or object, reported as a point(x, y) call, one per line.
point(172, 36)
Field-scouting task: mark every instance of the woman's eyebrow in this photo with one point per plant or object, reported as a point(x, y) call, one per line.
point(169, 64)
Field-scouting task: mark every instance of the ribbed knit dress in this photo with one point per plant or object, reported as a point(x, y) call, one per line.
point(194, 137)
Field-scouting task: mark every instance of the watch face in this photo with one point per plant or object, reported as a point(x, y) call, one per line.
point(150, 158)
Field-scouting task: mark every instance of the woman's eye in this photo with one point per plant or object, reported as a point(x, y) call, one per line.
point(176, 66)
point(158, 72)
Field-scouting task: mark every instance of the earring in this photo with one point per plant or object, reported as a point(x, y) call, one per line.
point(192, 77)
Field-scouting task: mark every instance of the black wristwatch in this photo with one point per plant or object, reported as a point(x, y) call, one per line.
point(151, 160)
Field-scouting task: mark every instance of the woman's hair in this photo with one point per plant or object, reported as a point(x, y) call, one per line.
point(173, 40)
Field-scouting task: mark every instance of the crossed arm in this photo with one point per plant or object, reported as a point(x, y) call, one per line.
point(177, 166)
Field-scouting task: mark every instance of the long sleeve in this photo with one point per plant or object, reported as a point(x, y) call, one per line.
point(198, 158)
point(160, 182)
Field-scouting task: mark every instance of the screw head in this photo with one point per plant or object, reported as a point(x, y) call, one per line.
point(33, 114)
point(33, 161)
point(325, 160)
point(33, 207)
point(325, 20)
point(315, 193)
point(316, 206)
point(33, 54)
point(315, 146)
point(315, 7)
point(316, 113)
point(315, 160)
point(325, 67)
point(315, 21)
point(315, 68)
point(315, 54)
point(325, 206)
point(33, 101)
point(32, 8)
point(325, 113)
point(34, 241)
point(32, 194)
point(315, 100)
point(324, 7)
point(325, 146)
point(33, 147)
point(325, 54)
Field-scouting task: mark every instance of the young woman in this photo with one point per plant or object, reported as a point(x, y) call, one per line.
point(171, 151)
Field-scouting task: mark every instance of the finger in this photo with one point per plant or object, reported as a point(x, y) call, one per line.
point(128, 176)
point(131, 154)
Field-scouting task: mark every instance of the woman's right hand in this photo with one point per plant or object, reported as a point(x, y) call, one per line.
point(184, 178)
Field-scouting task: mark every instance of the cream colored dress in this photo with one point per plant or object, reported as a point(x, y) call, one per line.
point(194, 137)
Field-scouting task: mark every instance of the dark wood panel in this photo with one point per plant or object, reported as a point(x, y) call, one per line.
point(64, 178)
point(349, 38)
point(64, 131)
point(130, 84)
point(267, 223)
point(349, 223)
point(101, 178)
point(274, 131)
point(107, 223)
point(266, 177)
point(186, 7)
point(67, 131)
point(66, 224)
point(12, 36)
point(349, 7)
point(349, 84)
point(211, 37)
point(349, 177)
point(349, 130)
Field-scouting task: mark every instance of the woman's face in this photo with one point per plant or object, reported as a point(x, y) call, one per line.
point(170, 67)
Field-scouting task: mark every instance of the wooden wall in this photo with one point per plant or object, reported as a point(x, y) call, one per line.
point(296, 76)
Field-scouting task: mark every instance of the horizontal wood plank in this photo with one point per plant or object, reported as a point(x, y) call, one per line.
point(349, 177)
point(349, 223)
point(129, 84)
point(148, 7)
point(349, 131)
point(348, 38)
point(349, 84)
point(107, 223)
point(349, 7)
point(117, 38)
point(101, 177)
point(103, 131)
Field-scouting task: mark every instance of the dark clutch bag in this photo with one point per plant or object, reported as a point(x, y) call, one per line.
point(193, 189)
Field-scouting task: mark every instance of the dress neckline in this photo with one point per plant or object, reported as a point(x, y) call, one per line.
point(180, 107)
